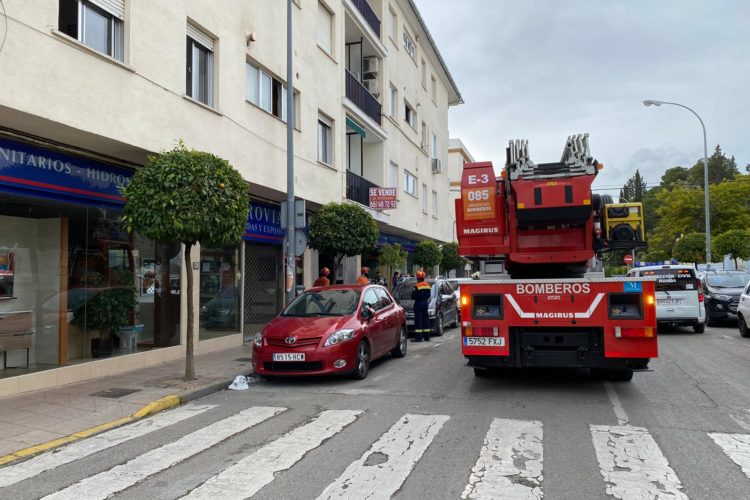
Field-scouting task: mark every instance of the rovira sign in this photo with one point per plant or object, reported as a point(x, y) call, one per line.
point(263, 224)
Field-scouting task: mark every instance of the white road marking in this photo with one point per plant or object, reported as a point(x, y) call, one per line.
point(104, 484)
point(245, 478)
point(622, 417)
point(510, 463)
point(742, 418)
point(737, 447)
point(80, 449)
point(386, 465)
point(382, 376)
point(632, 465)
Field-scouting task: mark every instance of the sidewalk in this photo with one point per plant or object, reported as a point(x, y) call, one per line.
point(34, 419)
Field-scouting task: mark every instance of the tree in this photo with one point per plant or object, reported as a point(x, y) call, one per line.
point(690, 248)
point(392, 257)
point(735, 242)
point(634, 189)
point(720, 168)
point(449, 257)
point(187, 196)
point(674, 176)
point(427, 254)
point(342, 230)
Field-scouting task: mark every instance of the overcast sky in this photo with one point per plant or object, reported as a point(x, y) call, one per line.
point(543, 70)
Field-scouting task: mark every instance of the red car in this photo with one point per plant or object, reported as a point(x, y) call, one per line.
point(332, 330)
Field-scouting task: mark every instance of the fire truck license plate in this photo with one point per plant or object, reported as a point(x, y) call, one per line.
point(485, 341)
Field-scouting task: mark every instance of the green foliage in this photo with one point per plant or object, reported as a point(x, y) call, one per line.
point(450, 258)
point(651, 204)
point(655, 256)
point(720, 168)
point(188, 196)
point(427, 254)
point(634, 189)
point(616, 271)
point(675, 176)
point(690, 248)
point(107, 311)
point(735, 242)
point(342, 229)
point(392, 256)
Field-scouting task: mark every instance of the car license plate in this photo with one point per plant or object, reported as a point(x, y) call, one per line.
point(485, 341)
point(289, 356)
point(668, 302)
point(409, 322)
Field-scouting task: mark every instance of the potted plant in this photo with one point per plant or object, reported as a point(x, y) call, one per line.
point(108, 311)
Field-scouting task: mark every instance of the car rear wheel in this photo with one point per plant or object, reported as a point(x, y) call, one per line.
point(455, 319)
point(699, 327)
point(744, 329)
point(439, 326)
point(400, 350)
point(362, 367)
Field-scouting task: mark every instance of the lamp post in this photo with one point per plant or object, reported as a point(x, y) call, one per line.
point(651, 102)
point(291, 254)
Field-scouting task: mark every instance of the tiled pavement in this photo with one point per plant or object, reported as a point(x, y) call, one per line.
point(33, 418)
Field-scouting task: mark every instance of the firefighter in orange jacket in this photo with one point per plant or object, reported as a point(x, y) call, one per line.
point(323, 278)
point(421, 296)
point(364, 279)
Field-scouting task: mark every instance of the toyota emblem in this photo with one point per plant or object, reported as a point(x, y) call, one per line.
point(290, 340)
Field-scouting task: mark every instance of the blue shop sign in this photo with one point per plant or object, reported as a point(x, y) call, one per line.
point(264, 224)
point(406, 244)
point(27, 169)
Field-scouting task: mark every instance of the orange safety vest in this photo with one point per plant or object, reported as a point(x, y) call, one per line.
point(362, 280)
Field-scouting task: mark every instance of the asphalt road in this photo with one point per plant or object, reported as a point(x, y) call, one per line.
point(416, 428)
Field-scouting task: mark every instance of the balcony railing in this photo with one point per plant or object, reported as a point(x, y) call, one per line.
point(364, 8)
point(359, 95)
point(358, 188)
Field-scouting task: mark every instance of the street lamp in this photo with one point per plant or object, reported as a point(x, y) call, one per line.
point(651, 102)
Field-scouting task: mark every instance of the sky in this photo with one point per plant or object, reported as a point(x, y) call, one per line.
point(545, 69)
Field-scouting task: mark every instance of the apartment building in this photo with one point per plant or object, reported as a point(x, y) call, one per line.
point(91, 88)
point(458, 154)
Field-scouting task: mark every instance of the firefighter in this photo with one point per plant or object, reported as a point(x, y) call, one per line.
point(421, 296)
point(323, 278)
point(364, 279)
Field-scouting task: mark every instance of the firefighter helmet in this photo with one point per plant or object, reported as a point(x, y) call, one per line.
point(420, 275)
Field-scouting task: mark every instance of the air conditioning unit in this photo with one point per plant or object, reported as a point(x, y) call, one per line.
point(372, 87)
point(371, 65)
point(437, 166)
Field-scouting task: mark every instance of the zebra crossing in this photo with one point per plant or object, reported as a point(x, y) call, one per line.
point(510, 463)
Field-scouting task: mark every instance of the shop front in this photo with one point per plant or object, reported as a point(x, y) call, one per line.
point(67, 263)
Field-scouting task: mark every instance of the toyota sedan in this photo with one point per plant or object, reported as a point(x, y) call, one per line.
point(332, 330)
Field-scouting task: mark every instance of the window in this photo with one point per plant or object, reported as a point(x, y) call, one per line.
point(424, 198)
point(424, 74)
point(410, 183)
point(394, 101)
point(325, 140)
point(392, 23)
point(433, 91)
point(392, 175)
point(409, 45)
point(410, 116)
point(424, 137)
point(325, 28)
point(95, 23)
point(383, 297)
point(267, 92)
point(200, 71)
point(434, 203)
point(371, 300)
point(433, 146)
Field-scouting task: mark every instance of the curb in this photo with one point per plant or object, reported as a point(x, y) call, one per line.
point(151, 408)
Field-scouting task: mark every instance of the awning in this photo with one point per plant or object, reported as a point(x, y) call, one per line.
point(353, 125)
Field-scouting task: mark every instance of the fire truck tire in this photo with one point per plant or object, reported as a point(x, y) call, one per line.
point(699, 328)
point(482, 372)
point(621, 375)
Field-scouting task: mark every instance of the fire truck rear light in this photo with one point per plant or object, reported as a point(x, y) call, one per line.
point(621, 332)
point(650, 300)
point(587, 201)
point(464, 300)
point(468, 332)
point(487, 331)
point(521, 205)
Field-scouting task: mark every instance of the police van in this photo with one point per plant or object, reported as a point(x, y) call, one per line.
point(679, 299)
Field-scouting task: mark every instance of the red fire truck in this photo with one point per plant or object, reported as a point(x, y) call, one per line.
point(540, 302)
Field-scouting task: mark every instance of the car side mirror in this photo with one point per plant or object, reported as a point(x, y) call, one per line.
point(367, 313)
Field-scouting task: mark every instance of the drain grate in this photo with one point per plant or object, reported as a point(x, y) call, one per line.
point(114, 393)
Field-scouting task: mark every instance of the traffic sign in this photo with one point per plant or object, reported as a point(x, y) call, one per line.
point(628, 259)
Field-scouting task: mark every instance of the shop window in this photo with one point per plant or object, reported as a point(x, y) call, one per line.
point(7, 256)
point(95, 23)
point(220, 280)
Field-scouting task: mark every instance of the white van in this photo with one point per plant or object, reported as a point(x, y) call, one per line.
point(679, 299)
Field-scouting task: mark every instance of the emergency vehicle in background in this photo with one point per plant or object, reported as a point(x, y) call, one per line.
point(540, 302)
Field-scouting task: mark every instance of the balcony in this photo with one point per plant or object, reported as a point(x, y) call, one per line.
point(359, 95)
point(364, 8)
point(358, 188)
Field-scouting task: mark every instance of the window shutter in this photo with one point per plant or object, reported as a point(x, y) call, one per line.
point(114, 7)
point(200, 37)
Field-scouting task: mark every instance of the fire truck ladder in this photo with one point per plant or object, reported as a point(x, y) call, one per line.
point(576, 160)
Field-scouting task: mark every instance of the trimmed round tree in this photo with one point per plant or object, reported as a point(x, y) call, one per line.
point(392, 256)
point(735, 243)
point(187, 196)
point(342, 230)
point(690, 248)
point(427, 254)
point(450, 258)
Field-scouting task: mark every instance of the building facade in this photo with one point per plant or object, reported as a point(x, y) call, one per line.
point(91, 88)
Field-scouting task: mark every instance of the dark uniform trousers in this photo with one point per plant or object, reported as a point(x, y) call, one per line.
point(421, 296)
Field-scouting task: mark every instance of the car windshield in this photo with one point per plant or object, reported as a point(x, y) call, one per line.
point(729, 280)
point(668, 280)
point(324, 303)
point(403, 292)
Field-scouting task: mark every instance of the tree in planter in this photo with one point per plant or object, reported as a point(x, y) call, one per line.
point(342, 230)
point(735, 242)
point(391, 257)
point(107, 311)
point(690, 248)
point(427, 254)
point(187, 196)
point(450, 259)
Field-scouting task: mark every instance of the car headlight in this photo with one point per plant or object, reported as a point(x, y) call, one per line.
point(722, 297)
point(339, 336)
point(258, 339)
point(431, 312)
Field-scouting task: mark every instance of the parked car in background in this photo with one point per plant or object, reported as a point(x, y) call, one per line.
point(456, 284)
point(443, 307)
point(679, 298)
point(722, 290)
point(743, 312)
point(338, 329)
